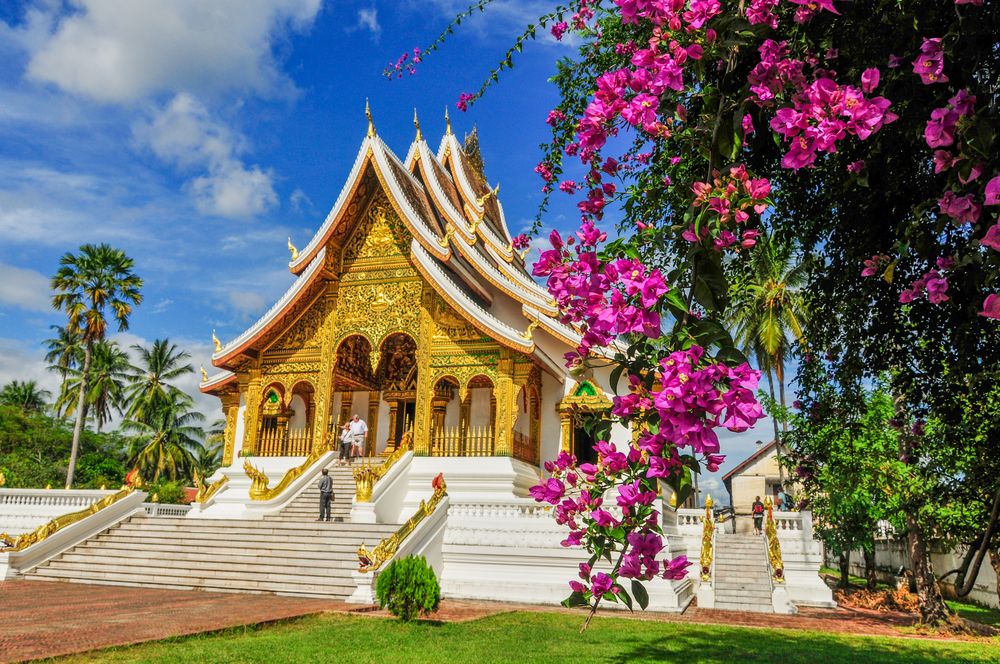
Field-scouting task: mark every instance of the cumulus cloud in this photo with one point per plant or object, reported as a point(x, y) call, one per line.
point(368, 20)
point(247, 303)
point(24, 288)
point(185, 134)
point(20, 360)
point(127, 50)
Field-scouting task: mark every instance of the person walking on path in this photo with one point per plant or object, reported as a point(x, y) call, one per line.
point(345, 445)
point(359, 436)
point(757, 509)
point(325, 495)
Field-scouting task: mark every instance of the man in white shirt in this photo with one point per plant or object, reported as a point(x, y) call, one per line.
point(359, 433)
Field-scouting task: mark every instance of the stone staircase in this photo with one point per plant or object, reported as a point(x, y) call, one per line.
point(287, 553)
point(742, 580)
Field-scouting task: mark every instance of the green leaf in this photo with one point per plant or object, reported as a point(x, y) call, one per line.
point(624, 597)
point(641, 596)
point(575, 599)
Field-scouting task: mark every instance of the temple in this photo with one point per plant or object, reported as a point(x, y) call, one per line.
point(410, 307)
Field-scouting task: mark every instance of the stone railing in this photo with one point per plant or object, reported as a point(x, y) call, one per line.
point(284, 442)
point(472, 442)
point(422, 535)
point(367, 475)
point(166, 509)
point(23, 510)
point(259, 489)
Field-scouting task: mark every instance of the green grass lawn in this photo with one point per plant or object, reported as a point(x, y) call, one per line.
point(538, 637)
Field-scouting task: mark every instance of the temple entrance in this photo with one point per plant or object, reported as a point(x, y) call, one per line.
point(583, 444)
point(585, 401)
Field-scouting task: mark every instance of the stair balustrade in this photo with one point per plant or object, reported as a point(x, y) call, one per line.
point(454, 442)
point(366, 476)
point(707, 541)
point(284, 442)
point(259, 489)
point(371, 561)
point(774, 560)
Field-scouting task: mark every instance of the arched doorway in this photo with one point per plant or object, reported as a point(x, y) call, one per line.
point(576, 410)
point(396, 379)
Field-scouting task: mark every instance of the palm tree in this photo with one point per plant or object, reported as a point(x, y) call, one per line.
point(166, 443)
point(27, 396)
point(108, 372)
point(149, 387)
point(65, 350)
point(88, 286)
point(769, 312)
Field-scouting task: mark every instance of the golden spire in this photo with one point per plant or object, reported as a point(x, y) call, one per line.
point(447, 122)
point(292, 249)
point(204, 375)
point(215, 340)
point(368, 114)
point(708, 502)
point(416, 123)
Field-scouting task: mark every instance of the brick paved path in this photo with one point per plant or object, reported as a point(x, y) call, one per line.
point(45, 619)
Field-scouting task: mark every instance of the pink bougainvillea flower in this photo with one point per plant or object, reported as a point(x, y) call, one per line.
point(991, 307)
point(869, 79)
point(943, 160)
point(929, 65)
point(856, 166)
point(940, 129)
point(978, 3)
point(676, 569)
point(992, 237)
point(896, 61)
point(815, 5)
point(600, 584)
point(558, 29)
point(747, 125)
point(993, 191)
point(962, 209)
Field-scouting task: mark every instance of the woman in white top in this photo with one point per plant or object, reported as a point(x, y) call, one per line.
point(345, 445)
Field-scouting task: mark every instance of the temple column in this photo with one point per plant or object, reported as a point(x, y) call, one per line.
point(231, 408)
point(566, 430)
point(393, 414)
point(345, 407)
point(465, 419)
point(422, 409)
point(503, 392)
point(327, 368)
point(251, 417)
point(439, 409)
point(374, 398)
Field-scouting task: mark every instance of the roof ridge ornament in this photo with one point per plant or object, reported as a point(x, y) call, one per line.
point(293, 250)
point(485, 197)
point(368, 115)
point(443, 242)
point(204, 374)
point(216, 342)
point(447, 123)
point(526, 335)
point(416, 123)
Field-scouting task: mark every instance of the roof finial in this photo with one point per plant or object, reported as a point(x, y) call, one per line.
point(204, 375)
point(292, 249)
point(368, 114)
point(416, 123)
point(447, 122)
point(215, 340)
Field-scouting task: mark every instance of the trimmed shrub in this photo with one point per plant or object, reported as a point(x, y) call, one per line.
point(408, 588)
point(168, 491)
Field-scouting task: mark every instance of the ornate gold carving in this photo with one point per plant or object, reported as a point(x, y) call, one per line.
point(526, 335)
point(206, 492)
point(293, 250)
point(386, 549)
point(231, 408)
point(216, 342)
point(773, 545)
point(378, 235)
point(367, 475)
point(707, 541)
point(22, 542)
point(481, 201)
point(443, 242)
point(449, 324)
point(305, 332)
point(204, 375)
point(368, 116)
point(258, 481)
point(288, 369)
point(416, 123)
point(251, 418)
point(355, 314)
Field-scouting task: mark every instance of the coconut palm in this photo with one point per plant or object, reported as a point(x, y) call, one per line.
point(65, 350)
point(149, 378)
point(90, 285)
point(108, 372)
point(168, 441)
point(24, 395)
point(769, 311)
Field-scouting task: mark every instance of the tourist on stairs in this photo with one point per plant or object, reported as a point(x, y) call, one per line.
point(359, 436)
point(325, 495)
point(757, 509)
point(345, 445)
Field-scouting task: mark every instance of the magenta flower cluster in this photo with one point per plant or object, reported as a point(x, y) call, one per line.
point(933, 284)
point(726, 204)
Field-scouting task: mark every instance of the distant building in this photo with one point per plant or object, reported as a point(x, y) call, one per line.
point(757, 475)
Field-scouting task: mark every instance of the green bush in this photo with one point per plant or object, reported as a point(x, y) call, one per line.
point(408, 588)
point(166, 491)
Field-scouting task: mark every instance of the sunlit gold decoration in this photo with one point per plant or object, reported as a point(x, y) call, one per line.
point(3, 480)
point(586, 397)
point(707, 541)
point(258, 486)
point(443, 242)
point(368, 116)
point(22, 542)
point(155, 498)
point(524, 253)
point(447, 122)
point(495, 191)
point(773, 545)
point(386, 549)
point(292, 250)
point(204, 375)
point(206, 492)
point(216, 342)
point(673, 500)
point(416, 123)
point(526, 335)
point(367, 475)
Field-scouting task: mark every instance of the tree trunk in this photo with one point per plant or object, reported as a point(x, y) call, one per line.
point(845, 568)
point(779, 372)
point(81, 414)
point(995, 562)
point(870, 577)
point(770, 389)
point(933, 610)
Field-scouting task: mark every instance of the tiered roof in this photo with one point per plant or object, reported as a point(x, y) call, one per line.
point(460, 244)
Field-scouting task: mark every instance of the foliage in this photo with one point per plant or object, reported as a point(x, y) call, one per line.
point(166, 444)
point(166, 491)
point(25, 395)
point(105, 384)
point(408, 588)
point(149, 381)
point(705, 123)
point(89, 286)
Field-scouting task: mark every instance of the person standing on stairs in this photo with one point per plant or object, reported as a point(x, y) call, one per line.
point(359, 435)
point(345, 445)
point(757, 509)
point(325, 495)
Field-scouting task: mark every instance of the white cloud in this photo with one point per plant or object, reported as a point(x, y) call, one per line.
point(368, 20)
point(127, 50)
point(247, 303)
point(300, 201)
point(185, 134)
point(24, 288)
point(23, 361)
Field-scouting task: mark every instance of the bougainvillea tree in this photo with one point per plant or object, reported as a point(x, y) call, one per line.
point(701, 123)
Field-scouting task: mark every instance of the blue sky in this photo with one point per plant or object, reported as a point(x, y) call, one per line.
point(198, 135)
